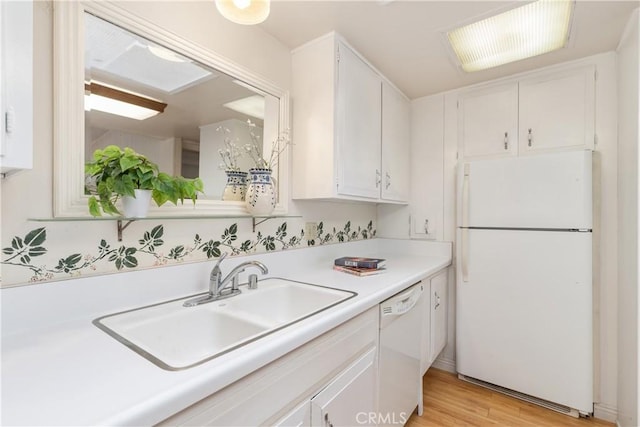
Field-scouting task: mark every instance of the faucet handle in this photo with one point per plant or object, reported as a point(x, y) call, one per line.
point(222, 256)
point(253, 281)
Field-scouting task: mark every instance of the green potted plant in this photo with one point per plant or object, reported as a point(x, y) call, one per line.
point(118, 173)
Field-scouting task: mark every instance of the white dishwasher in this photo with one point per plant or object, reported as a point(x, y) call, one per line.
point(400, 382)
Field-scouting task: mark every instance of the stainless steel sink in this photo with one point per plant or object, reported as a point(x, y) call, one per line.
point(175, 337)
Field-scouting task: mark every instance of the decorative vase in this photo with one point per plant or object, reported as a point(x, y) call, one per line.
point(137, 207)
point(261, 193)
point(236, 186)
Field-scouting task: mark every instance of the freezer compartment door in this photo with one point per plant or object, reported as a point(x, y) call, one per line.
point(542, 191)
point(524, 315)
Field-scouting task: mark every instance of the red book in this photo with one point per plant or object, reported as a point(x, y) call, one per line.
point(359, 271)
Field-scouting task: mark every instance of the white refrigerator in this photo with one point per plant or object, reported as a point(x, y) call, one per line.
point(524, 276)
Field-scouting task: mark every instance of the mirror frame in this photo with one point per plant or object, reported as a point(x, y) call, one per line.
point(69, 199)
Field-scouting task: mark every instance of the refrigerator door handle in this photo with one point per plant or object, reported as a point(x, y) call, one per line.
point(465, 197)
point(464, 253)
point(464, 237)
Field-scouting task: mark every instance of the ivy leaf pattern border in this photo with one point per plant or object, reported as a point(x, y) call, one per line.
point(23, 250)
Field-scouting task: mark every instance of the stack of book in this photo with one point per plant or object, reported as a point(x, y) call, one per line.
point(359, 266)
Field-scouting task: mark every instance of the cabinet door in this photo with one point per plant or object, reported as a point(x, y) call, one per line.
point(350, 398)
point(298, 417)
point(425, 332)
point(488, 122)
point(557, 111)
point(438, 313)
point(358, 118)
point(16, 85)
point(396, 141)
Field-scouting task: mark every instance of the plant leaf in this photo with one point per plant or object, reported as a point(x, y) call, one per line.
point(94, 206)
point(36, 237)
point(37, 251)
point(157, 231)
point(72, 260)
point(16, 243)
point(130, 261)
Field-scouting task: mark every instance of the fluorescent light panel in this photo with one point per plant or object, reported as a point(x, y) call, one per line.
point(251, 106)
point(115, 101)
point(530, 30)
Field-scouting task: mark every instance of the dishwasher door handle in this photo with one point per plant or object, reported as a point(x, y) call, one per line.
point(401, 304)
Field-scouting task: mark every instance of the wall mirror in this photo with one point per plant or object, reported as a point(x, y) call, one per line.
point(193, 100)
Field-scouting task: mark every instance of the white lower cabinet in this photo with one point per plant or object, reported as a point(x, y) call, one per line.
point(350, 399)
point(438, 314)
point(335, 373)
point(299, 417)
point(434, 320)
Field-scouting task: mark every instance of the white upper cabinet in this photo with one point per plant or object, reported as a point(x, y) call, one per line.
point(557, 111)
point(350, 127)
point(359, 111)
point(396, 142)
point(16, 85)
point(550, 111)
point(488, 122)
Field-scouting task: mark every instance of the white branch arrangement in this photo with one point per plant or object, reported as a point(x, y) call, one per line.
point(277, 147)
point(230, 154)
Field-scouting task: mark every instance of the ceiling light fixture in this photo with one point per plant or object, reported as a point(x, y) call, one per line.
point(115, 101)
point(251, 106)
point(530, 30)
point(166, 54)
point(245, 12)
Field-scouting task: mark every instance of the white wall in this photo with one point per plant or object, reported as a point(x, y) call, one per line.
point(435, 126)
point(628, 139)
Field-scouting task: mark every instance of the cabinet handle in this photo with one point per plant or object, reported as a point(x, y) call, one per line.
point(388, 183)
point(378, 178)
point(437, 301)
point(530, 138)
point(327, 422)
point(506, 140)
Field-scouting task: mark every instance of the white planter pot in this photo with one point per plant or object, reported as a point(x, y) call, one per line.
point(137, 207)
point(236, 187)
point(261, 194)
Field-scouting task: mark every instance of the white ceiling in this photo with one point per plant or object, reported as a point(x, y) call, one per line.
point(403, 38)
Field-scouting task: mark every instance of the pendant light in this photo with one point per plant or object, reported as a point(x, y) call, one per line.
point(245, 12)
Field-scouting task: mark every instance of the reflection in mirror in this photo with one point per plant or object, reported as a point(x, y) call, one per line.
point(167, 106)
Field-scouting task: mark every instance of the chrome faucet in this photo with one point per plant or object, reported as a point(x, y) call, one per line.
point(218, 286)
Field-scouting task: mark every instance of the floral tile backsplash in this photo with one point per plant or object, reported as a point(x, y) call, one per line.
point(32, 258)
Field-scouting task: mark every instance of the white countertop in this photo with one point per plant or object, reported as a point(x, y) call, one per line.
point(60, 369)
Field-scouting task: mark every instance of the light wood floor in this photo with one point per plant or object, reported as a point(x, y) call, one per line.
point(449, 401)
